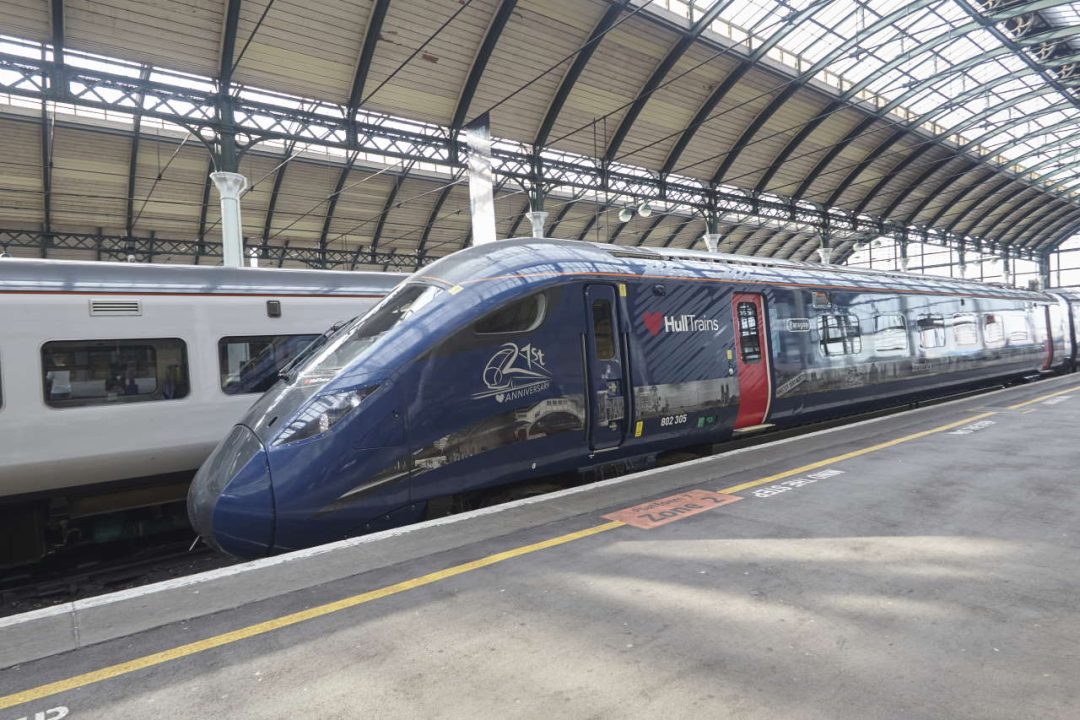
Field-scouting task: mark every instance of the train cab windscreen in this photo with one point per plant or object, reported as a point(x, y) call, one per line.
point(350, 344)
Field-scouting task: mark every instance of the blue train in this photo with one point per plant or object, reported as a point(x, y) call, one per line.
point(531, 358)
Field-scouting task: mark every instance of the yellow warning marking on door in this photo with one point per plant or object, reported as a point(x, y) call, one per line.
point(622, 289)
point(639, 428)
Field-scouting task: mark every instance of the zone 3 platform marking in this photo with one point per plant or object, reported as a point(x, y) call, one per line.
point(141, 663)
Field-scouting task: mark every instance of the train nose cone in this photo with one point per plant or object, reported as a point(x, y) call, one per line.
point(231, 500)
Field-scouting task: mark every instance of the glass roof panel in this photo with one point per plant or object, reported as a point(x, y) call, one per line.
point(929, 57)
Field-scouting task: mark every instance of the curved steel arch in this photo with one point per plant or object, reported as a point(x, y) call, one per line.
point(644, 235)
point(560, 216)
point(985, 160)
point(1049, 222)
point(792, 244)
point(520, 218)
point(703, 113)
point(1021, 225)
point(827, 60)
point(569, 80)
point(433, 216)
point(843, 100)
point(372, 35)
point(483, 55)
point(1033, 153)
point(387, 206)
point(684, 43)
point(1057, 231)
point(994, 190)
point(588, 226)
point(678, 231)
point(935, 141)
point(1007, 216)
point(271, 206)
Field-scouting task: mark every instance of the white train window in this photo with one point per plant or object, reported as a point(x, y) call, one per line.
point(251, 364)
point(76, 373)
point(993, 331)
point(931, 331)
point(840, 334)
point(965, 330)
point(890, 333)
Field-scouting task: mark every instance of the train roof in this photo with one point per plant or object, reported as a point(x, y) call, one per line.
point(66, 276)
point(525, 258)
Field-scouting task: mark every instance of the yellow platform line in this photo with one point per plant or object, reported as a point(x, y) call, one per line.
point(112, 671)
point(853, 454)
point(1017, 406)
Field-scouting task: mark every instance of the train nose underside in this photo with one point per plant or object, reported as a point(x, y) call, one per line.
point(231, 500)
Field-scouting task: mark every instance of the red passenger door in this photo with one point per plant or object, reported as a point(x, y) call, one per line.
point(752, 359)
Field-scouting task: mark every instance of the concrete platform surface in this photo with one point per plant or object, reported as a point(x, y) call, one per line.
point(923, 565)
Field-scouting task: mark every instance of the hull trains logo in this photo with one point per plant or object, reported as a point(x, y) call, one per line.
point(657, 321)
point(515, 372)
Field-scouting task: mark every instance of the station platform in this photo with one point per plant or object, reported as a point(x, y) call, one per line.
point(919, 565)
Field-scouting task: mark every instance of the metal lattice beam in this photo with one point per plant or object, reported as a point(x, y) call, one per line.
point(483, 55)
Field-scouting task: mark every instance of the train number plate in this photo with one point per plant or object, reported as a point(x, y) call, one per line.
point(665, 510)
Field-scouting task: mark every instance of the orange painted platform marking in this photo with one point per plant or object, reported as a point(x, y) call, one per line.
point(665, 510)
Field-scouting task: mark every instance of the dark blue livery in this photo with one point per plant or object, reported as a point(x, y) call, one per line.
point(529, 359)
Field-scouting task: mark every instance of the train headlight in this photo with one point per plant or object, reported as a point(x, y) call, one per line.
point(322, 413)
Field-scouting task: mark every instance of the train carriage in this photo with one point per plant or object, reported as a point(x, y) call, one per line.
point(530, 358)
point(118, 379)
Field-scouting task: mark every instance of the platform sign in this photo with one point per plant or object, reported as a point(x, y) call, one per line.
point(666, 510)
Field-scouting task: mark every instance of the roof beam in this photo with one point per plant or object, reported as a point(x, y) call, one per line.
point(332, 201)
point(576, 68)
point(520, 218)
point(1046, 223)
point(678, 230)
point(1050, 227)
point(644, 235)
point(1024, 8)
point(391, 198)
point(433, 217)
point(588, 226)
point(203, 209)
point(1047, 36)
point(991, 192)
point(268, 221)
point(487, 47)
point(804, 77)
point(705, 111)
point(684, 43)
point(560, 216)
point(228, 44)
point(1021, 214)
point(367, 52)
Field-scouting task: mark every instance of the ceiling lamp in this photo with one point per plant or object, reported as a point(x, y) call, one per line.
point(644, 209)
point(626, 214)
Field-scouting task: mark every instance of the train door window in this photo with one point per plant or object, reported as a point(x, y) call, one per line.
point(890, 333)
point(931, 330)
point(839, 334)
point(993, 330)
point(76, 373)
point(749, 333)
point(603, 330)
point(251, 364)
point(519, 316)
point(965, 330)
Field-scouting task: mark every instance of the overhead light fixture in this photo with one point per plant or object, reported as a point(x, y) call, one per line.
point(644, 209)
point(626, 214)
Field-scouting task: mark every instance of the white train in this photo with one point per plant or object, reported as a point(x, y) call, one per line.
point(117, 380)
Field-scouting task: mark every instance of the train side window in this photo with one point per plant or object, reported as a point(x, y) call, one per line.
point(749, 335)
point(931, 331)
point(993, 332)
point(1016, 327)
point(250, 364)
point(77, 373)
point(964, 327)
point(839, 334)
point(519, 316)
point(603, 330)
point(890, 333)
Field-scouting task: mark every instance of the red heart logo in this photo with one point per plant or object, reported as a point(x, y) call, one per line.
point(652, 321)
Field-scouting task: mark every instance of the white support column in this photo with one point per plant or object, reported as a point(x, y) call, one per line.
point(481, 181)
point(712, 241)
point(537, 218)
point(229, 186)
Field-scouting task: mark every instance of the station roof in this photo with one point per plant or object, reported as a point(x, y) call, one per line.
point(942, 116)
